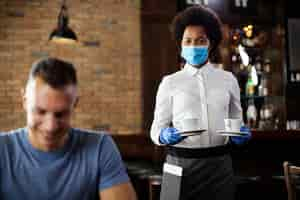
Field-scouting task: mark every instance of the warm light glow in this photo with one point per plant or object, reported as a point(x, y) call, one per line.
point(249, 33)
point(61, 40)
point(248, 30)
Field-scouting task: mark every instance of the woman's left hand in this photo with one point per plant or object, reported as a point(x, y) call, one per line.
point(239, 140)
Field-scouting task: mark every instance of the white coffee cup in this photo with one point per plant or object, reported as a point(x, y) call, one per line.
point(233, 125)
point(190, 124)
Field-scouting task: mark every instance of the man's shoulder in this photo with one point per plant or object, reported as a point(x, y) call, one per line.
point(89, 133)
point(91, 141)
point(91, 136)
point(11, 139)
point(12, 134)
point(14, 131)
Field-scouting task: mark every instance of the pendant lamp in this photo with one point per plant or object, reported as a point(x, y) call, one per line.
point(63, 33)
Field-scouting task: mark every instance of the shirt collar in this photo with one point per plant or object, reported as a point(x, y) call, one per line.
point(193, 71)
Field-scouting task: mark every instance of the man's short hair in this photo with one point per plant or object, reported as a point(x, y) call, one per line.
point(55, 72)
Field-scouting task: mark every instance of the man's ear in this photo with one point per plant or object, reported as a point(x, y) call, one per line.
point(24, 99)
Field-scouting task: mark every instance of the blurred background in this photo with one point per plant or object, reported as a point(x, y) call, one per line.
point(122, 50)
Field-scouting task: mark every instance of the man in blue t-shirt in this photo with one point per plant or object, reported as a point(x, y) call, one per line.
point(50, 160)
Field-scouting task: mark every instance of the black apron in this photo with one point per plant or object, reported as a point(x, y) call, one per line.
point(207, 173)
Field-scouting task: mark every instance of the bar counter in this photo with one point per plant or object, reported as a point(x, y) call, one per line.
point(274, 135)
point(135, 146)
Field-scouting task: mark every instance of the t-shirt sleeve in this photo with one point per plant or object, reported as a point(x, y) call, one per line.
point(112, 169)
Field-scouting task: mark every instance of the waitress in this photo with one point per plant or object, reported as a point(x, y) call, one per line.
point(203, 92)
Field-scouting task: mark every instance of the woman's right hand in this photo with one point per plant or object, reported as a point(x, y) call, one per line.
point(170, 135)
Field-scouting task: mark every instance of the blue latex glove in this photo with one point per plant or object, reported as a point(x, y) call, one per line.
point(239, 140)
point(170, 135)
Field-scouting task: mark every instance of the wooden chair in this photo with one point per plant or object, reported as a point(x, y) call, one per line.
point(154, 187)
point(290, 173)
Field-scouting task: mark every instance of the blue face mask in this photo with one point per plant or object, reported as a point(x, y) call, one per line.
point(195, 55)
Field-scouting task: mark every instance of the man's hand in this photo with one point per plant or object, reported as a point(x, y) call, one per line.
point(239, 140)
point(170, 135)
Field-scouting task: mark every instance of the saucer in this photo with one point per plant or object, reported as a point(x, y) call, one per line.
point(192, 132)
point(233, 133)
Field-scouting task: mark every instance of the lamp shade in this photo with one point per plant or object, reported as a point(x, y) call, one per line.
point(65, 35)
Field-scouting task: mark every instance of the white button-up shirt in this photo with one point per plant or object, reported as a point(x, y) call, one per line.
point(208, 94)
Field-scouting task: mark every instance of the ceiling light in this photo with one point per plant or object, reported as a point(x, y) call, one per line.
point(63, 33)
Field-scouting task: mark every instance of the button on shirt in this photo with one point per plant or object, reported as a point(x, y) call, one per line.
point(208, 94)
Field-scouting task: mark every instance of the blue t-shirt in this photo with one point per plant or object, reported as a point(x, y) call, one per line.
point(88, 163)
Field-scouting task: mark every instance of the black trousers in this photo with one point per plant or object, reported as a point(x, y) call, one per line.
point(207, 173)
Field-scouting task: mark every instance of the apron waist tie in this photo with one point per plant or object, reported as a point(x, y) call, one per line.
point(198, 152)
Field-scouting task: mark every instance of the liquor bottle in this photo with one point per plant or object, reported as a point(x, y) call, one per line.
point(262, 88)
point(292, 78)
point(267, 114)
point(251, 114)
point(251, 82)
point(242, 77)
point(249, 87)
point(276, 123)
point(258, 65)
point(235, 61)
point(297, 77)
point(267, 65)
point(262, 118)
